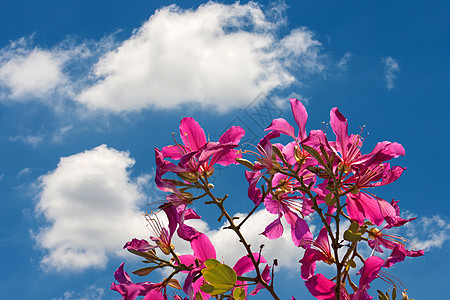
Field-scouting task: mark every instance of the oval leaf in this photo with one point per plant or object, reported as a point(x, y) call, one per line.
point(220, 276)
point(239, 294)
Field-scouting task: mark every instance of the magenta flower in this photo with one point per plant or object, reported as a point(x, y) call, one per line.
point(323, 289)
point(139, 245)
point(198, 155)
point(319, 251)
point(203, 250)
point(130, 291)
point(283, 203)
point(300, 116)
point(379, 240)
point(362, 205)
point(347, 148)
point(368, 272)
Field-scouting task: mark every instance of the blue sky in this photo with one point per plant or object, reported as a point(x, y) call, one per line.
point(89, 88)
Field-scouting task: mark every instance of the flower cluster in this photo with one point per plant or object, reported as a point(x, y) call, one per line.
point(313, 175)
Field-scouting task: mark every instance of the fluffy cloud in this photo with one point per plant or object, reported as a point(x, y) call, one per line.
point(91, 293)
point(427, 232)
point(219, 56)
point(91, 205)
point(27, 72)
point(391, 69)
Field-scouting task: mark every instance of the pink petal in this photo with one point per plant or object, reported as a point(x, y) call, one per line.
point(192, 134)
point(233, 135)
point(202, 247)
point(340, 129)
point(154, 295)
point(245, 265)
point(300, 116)
point(274, 230)
point(122, 276)
point(321, 287)
point(282, 126)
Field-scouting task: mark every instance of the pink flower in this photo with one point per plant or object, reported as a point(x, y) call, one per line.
point(283, 203)
point(368, 272)
point(323, 289)
point(319, 251)
point(129, 290)
point(198, 155)
point(300, 116)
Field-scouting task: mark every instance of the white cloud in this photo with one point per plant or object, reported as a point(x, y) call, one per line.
point(32, 74)
point(51, 75)
point(391, 69)
point(91, 205)
point(27, 72)
point(219, 56)
point(91, 293)
point(343, 62)
point(427, 232)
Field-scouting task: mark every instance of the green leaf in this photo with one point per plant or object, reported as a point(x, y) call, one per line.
point(277, 152)
point(220, 276)
point(315, 154)
point(351, 263)
point(207, 288)
point(352, 237)
point(382, 296)
point(209, 263)
point(144, 271)
point(150, 255)
point(239, 294)
point(394, 293)
point(353, 227)
point(329, 200)
point(245, 163)
point(175, 284)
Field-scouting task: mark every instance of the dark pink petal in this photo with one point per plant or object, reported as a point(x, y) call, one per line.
point(227, 158)
point(370, 270)
point(202, 247)
point(266, 277)
point(129, 291)
point(174, 151)
point(300, 116)
point(385, 151)
point(340, 129)
point(274, 230)
point(299, 228)
point(392, 175)
point(282, 126)
point(154, 295)
point(398, 254)
point(322, 240)
point(138, 245)
point(309, 263)
point(190, 214)
point(245, 265)
point(272, 205)
point(289, 154)
point(363, 206)
point(122, 276)
point(233, 135)
point(187, 232)
point(187, 260)
point(321, 287)
point(192, 134)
